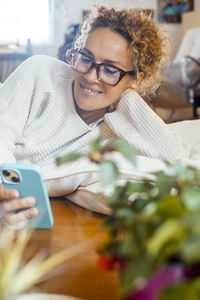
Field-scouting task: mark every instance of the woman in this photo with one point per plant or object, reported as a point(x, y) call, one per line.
point(48, 109)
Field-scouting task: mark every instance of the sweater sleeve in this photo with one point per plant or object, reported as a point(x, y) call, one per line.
point(15, 102)
point(137, 123)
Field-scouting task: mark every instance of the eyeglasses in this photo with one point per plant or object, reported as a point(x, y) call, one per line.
point(83, 63)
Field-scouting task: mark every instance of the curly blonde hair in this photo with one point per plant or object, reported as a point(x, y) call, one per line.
point(147, 43)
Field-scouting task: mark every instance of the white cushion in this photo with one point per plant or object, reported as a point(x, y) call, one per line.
point(90, 197)
point(66, 178)
point(78, 181)
point(189, 131)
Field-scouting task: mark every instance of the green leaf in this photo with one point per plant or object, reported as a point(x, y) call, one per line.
point(189, 250)
point(137, 187)
point(124, 212)
point(168, 231)
point(135, 273)
point(125, 149)
point(184, 291)
point(108, 172)
point(191, 197)
point(170, 207)
point(165, 183)
point(68, 158)
point(118, 198)
point(96, 144)
point(129, 247)
point(179, 169)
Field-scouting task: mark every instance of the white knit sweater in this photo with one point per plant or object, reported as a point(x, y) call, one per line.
point(38, 120)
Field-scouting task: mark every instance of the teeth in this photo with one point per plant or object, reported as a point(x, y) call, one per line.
point(90, 91)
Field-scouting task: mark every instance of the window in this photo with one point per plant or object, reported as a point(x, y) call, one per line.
point(23, 19)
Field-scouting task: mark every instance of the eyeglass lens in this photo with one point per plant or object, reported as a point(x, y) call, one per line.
point(82, 63)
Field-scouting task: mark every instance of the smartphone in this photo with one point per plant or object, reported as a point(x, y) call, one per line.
point(27, 179)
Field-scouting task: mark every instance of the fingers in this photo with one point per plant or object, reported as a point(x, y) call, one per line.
point(6, 194)
point(10, 202)
point(18, 226)
point(21, 217)
point(19, 203)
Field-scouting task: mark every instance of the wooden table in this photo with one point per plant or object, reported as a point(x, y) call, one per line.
point(80, 277)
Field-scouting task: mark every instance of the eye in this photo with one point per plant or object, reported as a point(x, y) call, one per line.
point(85, 59)
point(110, 70)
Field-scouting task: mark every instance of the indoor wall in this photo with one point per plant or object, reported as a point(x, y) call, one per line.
point(65, 12)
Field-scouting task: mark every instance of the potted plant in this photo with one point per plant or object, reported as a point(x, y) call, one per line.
point(18, 275)
point(154, 226)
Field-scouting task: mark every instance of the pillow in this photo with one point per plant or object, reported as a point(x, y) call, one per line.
point(68, 177)
point(90, 197)
point(78, 181)
point(188, 131)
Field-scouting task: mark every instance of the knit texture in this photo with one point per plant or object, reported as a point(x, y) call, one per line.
point(38, 119)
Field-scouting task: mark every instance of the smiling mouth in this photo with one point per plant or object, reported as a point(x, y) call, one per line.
point(89, 90)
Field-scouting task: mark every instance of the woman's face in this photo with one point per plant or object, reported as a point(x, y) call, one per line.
point(106, 46)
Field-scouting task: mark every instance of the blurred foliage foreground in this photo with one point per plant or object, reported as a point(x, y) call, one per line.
point(153, 224)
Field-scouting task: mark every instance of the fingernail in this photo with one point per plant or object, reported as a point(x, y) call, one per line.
point(31, 201)
point(34, 212)
point(14, 194)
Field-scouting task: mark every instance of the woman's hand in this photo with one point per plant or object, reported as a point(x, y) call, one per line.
point(10, 201)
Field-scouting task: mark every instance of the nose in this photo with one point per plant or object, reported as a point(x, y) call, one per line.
point(92, 75)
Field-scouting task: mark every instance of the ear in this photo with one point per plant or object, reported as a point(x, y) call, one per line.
point(134, 85)
point(135, 82)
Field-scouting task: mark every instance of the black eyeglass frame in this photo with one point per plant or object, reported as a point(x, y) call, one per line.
point(98, 66)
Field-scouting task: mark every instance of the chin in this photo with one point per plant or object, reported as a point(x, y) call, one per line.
point(85, 105)
point(86, 102)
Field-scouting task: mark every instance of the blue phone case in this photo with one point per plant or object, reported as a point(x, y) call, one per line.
point(32, 184)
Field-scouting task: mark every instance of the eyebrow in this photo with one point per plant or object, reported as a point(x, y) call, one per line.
point(108, 61)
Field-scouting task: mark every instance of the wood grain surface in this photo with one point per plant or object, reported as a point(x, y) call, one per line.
point(80, 277)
